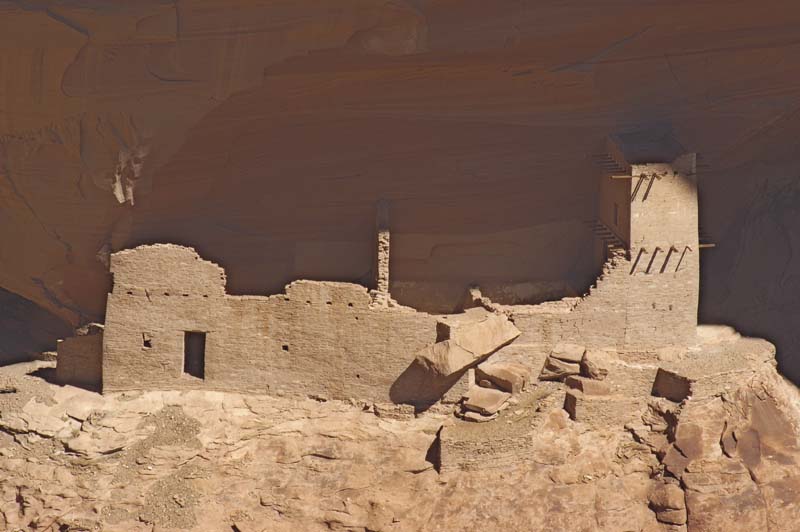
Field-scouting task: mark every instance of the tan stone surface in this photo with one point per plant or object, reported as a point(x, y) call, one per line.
point(80, 361)
point(203, 461)
point(319, 338)
point(587, 386)
point(206, 131)
point(602, 409)
point(672, 386)
point(555, 369)
point(477, 330)
point(594, 364)
point(257, 132)
point(668, 501)
point(477, 417)
point(508, 376)
point(738, 490)
point(568, 352)
point(446, 358)
point(530, 355)
point(486, 401)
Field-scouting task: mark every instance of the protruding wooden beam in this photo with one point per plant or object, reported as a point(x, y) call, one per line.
point(649, 186)
point(642, 251)
point(683, 254)
point(635, 192)
point(652, 259)
point(707, 245)
point(670, 251)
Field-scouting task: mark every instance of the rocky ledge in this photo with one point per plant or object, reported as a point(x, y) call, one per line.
point(714, 447)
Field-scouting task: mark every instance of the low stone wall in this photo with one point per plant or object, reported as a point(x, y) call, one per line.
point(330, 339)
point(626, 310)
point(319, 338)
point(80, 361)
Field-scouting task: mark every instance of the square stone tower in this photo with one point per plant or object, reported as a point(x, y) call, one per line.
point(650, 210)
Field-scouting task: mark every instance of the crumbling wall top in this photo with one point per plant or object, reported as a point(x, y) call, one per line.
point(166, 269)
point(328, 292)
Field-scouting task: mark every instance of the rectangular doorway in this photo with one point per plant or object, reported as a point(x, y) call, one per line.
point(194, 354)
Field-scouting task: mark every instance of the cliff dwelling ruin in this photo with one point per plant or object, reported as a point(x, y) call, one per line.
point(486, 388)
point(171, 325)
point(406, 266)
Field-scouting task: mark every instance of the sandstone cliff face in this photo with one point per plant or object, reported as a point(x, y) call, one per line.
point(262, 133)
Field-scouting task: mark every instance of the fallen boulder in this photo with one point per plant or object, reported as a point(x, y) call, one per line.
point(465, 339)
point(568, 352)
point(668, 502)
point(508, 376)
point(671, 385)
point(587, 386)
point(445, 358)
point(477, 330)
point(593, 365)
point(485, 401)
point(555, 369)
point(475, 417)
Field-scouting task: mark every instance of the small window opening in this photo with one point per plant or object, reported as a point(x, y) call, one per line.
point(147, 342)
point(194, 354)
point(616, 214)
point(285, 347)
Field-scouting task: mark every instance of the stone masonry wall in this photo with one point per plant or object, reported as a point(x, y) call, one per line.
point(646, 298)
point(664, 210)
point(329, 339)
point(664, 238)
point(625, 311)
point(614, 208)
point(319, 338)
point(166, 269)
point(80, 361)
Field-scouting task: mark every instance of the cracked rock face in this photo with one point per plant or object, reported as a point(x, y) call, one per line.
point(745, 484)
